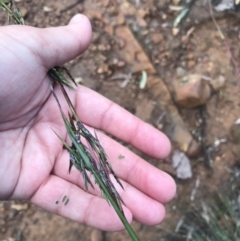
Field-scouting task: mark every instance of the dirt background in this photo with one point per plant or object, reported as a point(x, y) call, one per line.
point(130, 37)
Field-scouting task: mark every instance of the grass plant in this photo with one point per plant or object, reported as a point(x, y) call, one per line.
point(213, 218)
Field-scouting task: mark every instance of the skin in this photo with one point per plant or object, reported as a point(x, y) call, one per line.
point(33, 163)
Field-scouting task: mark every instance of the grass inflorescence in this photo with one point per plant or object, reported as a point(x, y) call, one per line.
point(85, 151)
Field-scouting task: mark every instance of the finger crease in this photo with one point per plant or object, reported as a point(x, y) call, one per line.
point(105, 122)
point(131, 173)
point(134, 133)
point(88, 209)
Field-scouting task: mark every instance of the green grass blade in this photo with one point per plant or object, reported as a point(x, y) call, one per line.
point(59, 78)
point(115, 206)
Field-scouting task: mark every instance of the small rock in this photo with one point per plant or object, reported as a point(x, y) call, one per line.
point(143, 12)
point(78, 80)
point(141, 22)
point(19, 207)
point(103, 69)
point(101, 58)
point(96, 235)
point(109, 29)
point(176, 2)
point(218, 83)
point(120, 42)
point(94, 14)
point(100, 70)
point(184, 39)
point(190, 56)
point(120, 19)
point(3, 230)
point(112, 10)
point(180, 72)
point(217, 159)
point(145, 32)
point(47, 9)
point(154, 24)
point(181, 164)
point(210, 67)
point(115, 61)
point(237, 122)
point(157, 38)
point(191, 64)
point(109, 72)
point(235, 132)
point(164, 16)
point(23, 11)
point(102, 47)
point(175, 31)
point(93, 47)
point(121, 64)
point(192, 91)
point(80, 8)
point(108, 47)
point(95, 36)
point(127, 9)
point(223, 5)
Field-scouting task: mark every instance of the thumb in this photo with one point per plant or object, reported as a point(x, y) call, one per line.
point(58, 45)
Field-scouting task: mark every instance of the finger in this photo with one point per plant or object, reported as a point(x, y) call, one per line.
point(132, 169)
point(82, 207)
point(56, 45)
point(61, 44)
point(101, 113)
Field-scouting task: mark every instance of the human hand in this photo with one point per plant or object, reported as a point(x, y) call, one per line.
point(33, 163)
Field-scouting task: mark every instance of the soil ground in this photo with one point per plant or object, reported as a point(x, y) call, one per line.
point(128, 39)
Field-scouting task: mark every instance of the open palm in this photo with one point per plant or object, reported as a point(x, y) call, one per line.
point(33, 163)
